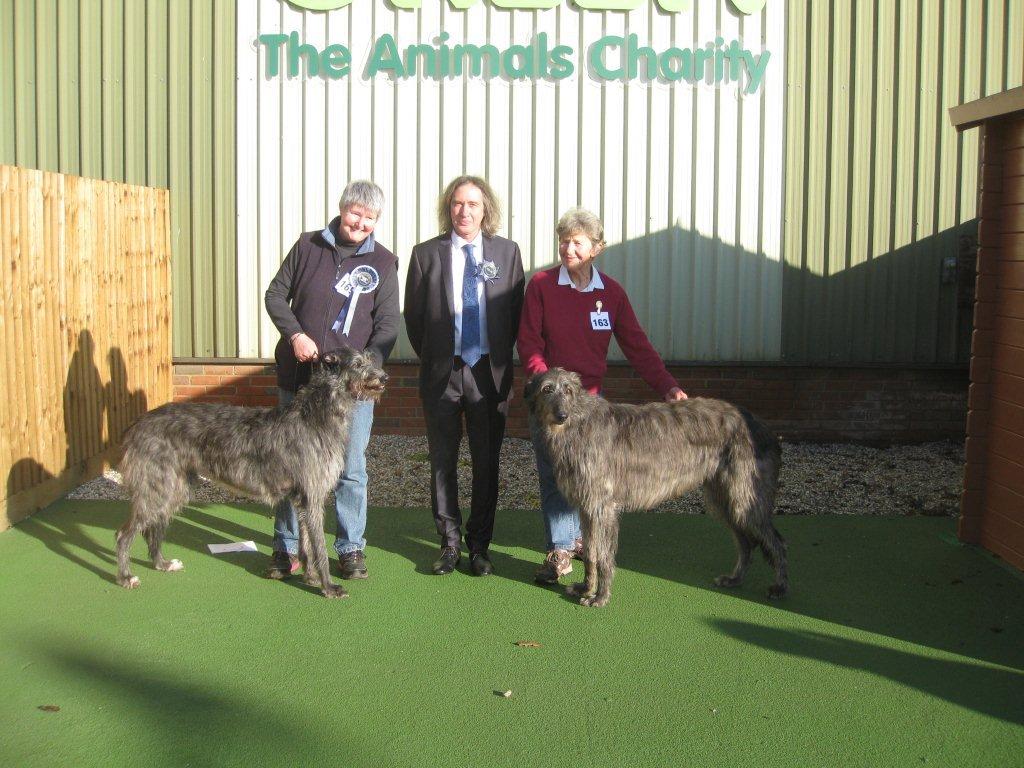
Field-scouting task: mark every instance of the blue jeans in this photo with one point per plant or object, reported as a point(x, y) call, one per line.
point(561, 519)
point(349, 493)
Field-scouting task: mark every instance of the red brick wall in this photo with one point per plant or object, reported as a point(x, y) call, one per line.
point(877, 405)
point(225, 383)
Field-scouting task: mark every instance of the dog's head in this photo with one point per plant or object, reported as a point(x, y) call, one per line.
point(551, 396)
point(354, 372)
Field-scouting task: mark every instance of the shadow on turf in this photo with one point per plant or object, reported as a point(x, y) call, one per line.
point(924, 591)
point(854, 573)
point(422, 555)
point(997, 693)
point(190, 724)
point(71, 532)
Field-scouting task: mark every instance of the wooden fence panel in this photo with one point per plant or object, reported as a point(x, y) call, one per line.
point(85, 327)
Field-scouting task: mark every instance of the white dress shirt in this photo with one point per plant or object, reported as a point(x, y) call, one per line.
point(458, 267)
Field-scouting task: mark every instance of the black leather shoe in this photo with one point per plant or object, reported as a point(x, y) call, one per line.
point(450, 557)
point(480, 565)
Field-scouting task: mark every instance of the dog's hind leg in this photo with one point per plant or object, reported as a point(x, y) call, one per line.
point(716, 502)
point(151, 524)
point(744, 549)
point(774, 548)
point(757, 525)
point(311, 518)
point(124, 537)
point(768, 538)
point(604, 535)
point(154, 534)
point(174, 494)
point(587, 587)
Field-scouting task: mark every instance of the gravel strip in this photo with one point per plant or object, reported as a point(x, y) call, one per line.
point(816, 479)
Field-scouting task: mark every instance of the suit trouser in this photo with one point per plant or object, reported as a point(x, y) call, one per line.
point(470, 393)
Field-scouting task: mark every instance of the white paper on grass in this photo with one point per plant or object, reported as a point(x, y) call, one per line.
point(233, 546)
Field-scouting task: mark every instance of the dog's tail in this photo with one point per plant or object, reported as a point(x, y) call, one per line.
point(763, 441)
point(761, 454)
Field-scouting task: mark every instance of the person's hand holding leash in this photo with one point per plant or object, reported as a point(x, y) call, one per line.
point(304, 348)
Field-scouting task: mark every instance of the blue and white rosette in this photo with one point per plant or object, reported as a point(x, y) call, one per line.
point(488, 270)
point(360, 280)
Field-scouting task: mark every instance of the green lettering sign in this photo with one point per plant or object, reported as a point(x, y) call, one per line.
point(272, 43)
point(611, 57)
point(384, 58)
point(596, 57)
point(746, 7)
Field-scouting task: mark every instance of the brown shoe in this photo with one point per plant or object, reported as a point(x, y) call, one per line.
point(558, 563)
point(352, 565)
point(282, 565)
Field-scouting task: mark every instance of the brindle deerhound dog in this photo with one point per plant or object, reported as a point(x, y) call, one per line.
point(294, 452)
point(608, 458)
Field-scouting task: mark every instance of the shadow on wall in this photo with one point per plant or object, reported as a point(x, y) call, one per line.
point(697, 297)
point(704, 300)
point(95, 416)
point(911, 306)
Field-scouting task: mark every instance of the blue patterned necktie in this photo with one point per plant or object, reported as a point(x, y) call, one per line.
point(470, 310)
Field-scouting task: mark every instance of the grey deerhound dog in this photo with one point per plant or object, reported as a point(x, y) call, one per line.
point(608, 458)
point(295, 452)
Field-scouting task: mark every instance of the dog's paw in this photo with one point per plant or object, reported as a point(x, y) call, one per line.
point(171, 565)
point(594, 601)
point(130, 583)
point(777, 591)
point(334, 591)
point(311, 578)
point(728, 581)
point(579, 590)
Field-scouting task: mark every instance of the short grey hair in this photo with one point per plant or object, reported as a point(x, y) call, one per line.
point(364, 193)
point(583, 221)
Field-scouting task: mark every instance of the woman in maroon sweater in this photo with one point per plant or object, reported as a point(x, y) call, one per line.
point(570, 313)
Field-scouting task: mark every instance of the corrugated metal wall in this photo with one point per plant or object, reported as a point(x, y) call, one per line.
point(140, 91)
point(687, 179)
point(737, 239)
point(880, 188)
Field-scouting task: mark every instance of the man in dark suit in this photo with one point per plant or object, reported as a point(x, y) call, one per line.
point(463, 297)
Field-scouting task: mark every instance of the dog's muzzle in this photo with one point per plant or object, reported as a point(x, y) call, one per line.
point(375, 387)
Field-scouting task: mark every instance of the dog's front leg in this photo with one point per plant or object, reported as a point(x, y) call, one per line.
point(309, 574)
point(601, 554)
point(311, 531)
point(587, 587)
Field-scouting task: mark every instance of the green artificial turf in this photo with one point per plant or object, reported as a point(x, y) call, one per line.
point(897, 646)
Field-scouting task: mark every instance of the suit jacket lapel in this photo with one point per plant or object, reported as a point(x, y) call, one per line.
point(444, 252)
point(492, 252)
